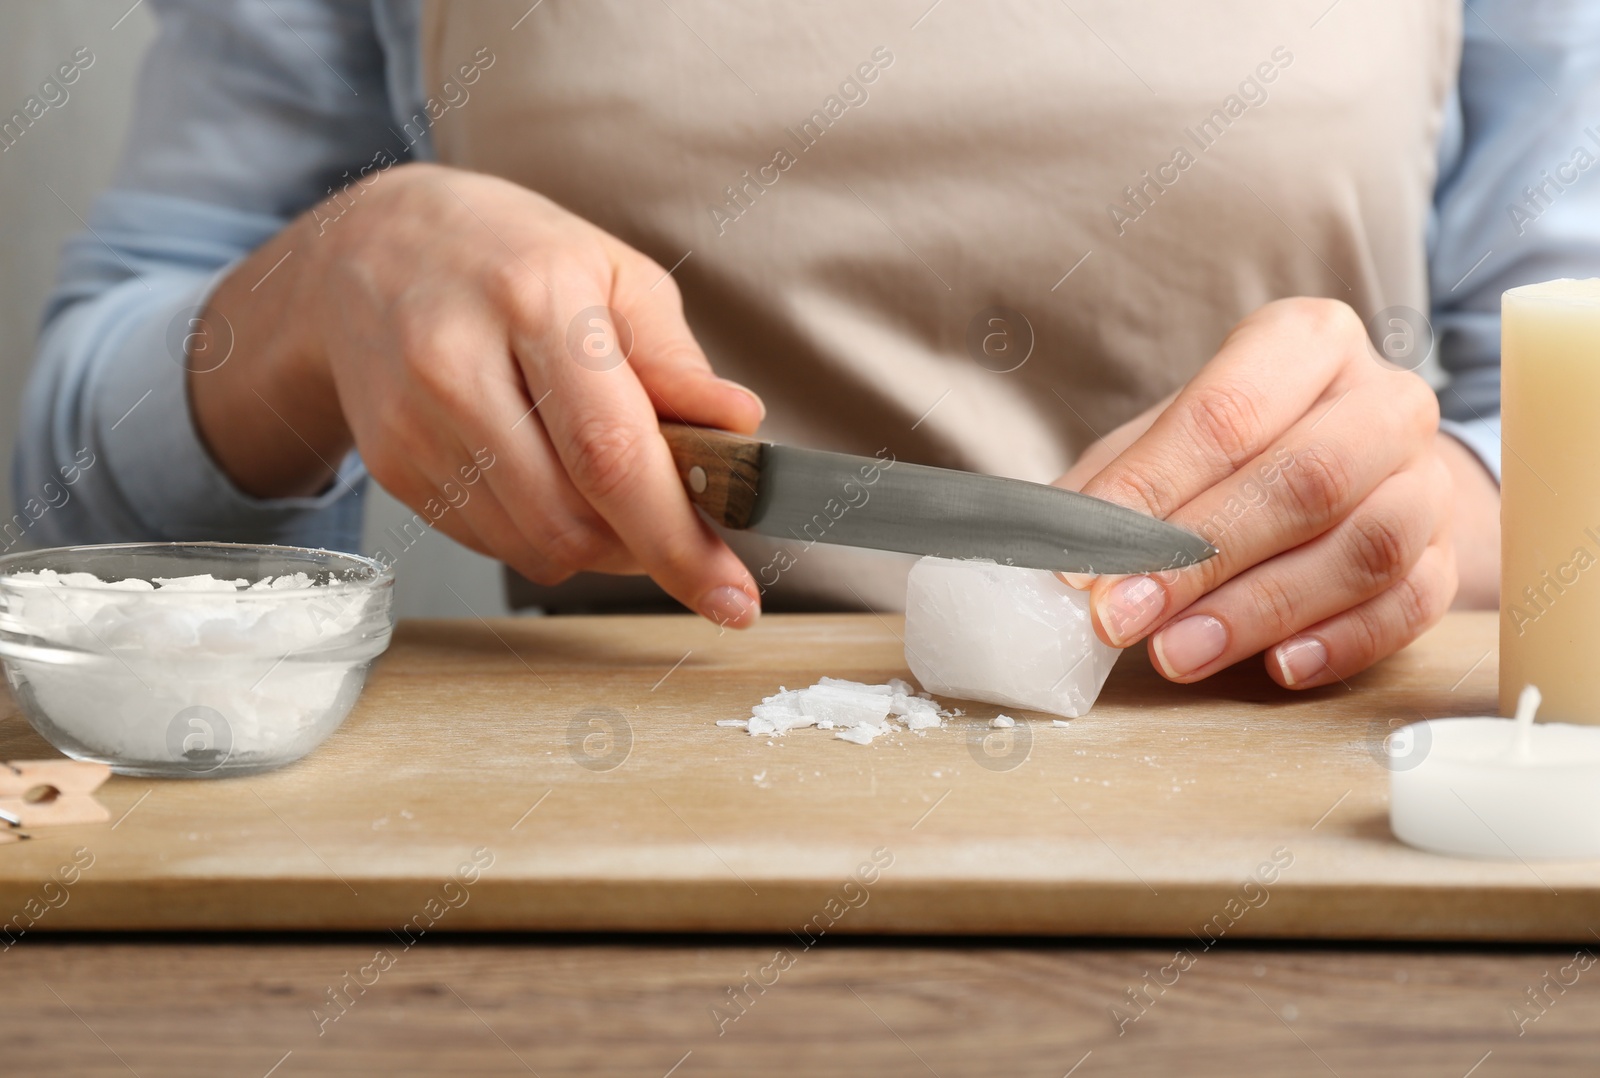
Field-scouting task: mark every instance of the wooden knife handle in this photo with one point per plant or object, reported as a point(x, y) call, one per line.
point(721, 471)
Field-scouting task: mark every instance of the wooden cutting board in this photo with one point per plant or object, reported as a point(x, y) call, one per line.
point(566, 773)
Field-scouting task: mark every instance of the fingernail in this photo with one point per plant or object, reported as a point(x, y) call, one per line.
point(1130, 607)
point(747, 392)
point(729, 607)
point(1081, 581)
point(1302, 659)
point(1185, 646)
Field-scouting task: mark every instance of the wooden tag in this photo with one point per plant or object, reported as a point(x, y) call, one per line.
point(45, 792)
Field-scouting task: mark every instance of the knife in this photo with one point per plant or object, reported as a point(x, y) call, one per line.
point(808, 495)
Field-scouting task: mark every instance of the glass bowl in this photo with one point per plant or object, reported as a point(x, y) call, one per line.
point(193, 679)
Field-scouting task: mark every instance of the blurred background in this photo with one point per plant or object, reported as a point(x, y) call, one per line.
point(72, 151)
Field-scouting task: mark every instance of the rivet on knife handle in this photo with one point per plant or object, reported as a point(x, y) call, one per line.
point(721, 471)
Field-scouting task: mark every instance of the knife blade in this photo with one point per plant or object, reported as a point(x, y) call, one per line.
point(810, 495)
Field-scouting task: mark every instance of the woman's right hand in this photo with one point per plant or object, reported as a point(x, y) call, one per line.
point(432, 316)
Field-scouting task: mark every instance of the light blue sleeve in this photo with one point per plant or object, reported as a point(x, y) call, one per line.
point(246, 114)
point(1519, 194)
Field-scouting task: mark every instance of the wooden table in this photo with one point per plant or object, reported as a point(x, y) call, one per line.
point(581, 754)
point(563, 1006)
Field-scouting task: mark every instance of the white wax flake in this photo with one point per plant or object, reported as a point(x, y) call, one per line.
point(84, 580)
point(203, 582)
point(854, 686)
point(779, 714)
point(845, 706)
point(1060, 722)
point(281, 583)
point(919, 712)
point(857, 711)
point(1002, 722)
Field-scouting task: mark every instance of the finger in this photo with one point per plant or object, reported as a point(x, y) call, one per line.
point(553, 522)
point(475, 400)
point(668, 361)
point(481, 507)
point(560, 531)
point(604, 428)
point(1362, 557)
point(1269, 372)
point(402, 474)
point(478, 523)
point(1348, 643)
point(1317, 473)
point(411, 487)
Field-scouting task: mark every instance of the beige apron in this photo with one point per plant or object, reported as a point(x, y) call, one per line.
point(849, 191)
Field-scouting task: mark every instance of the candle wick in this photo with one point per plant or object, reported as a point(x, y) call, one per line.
point(1527, 705)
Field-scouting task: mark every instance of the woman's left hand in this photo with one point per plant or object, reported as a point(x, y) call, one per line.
point(1319, 473)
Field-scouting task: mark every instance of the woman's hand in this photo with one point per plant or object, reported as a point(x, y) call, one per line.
point(435, 319)
point(1320, 474)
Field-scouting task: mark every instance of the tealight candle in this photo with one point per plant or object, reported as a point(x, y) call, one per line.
point(1497, 788)
point(1549, 499)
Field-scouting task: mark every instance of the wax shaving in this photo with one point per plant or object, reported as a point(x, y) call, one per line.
point(853, 710)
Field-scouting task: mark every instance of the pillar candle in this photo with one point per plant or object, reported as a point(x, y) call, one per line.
point(1550, 497)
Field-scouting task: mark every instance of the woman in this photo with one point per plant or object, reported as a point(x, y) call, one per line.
point(477, 250)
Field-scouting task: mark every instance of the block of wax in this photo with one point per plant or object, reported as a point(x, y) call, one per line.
point(1003, 635)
